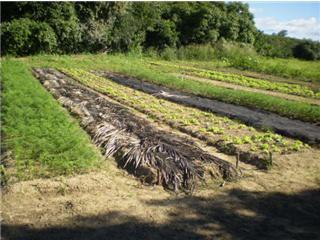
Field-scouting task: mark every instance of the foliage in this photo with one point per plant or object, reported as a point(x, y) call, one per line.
point(25, 36)
point(278, 45)
point(204, 53)
point(126, 36)
point(42, 137)
point(133, 26)
point(282, 33)
point(307, 50)
point(106, 12)
point(200, 23)
point(163, 35)
point(97, 37)
point(68, 35)
point(38, 11)
point(130, 26)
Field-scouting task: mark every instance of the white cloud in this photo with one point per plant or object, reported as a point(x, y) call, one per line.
point(299, 28)
point(256, 10)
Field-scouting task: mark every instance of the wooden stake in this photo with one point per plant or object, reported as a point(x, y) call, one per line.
point(238, 159)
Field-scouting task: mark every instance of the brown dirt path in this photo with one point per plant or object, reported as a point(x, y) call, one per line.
point(110, 204)
point(248, 89)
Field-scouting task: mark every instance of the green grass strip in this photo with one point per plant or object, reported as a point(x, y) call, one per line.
point(43, 138)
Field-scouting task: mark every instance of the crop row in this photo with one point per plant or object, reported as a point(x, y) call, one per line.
point(204, 125)
point(287, 88)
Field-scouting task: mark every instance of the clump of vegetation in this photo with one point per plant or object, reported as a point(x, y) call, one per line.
point(221, 32)
point(281, 46)
point(43, 139)
point(126, 26)
point(24, 36)
point(307, 50)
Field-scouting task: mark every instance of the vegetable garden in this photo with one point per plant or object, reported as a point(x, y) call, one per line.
point(229, 136)
point(157, 127)
point(152, 120)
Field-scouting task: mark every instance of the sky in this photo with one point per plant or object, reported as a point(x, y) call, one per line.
point(300, 19)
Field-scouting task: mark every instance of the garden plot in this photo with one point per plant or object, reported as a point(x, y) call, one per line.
point(154, 155)
point(292, 128)
point(250, 89)
point(294, 89)
point(227, 135)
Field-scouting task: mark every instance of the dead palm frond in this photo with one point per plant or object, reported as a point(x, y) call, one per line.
point(111, 139)
point(175, 169)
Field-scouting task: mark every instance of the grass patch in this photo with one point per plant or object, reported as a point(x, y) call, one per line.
point(42, 137)
point(290, 68)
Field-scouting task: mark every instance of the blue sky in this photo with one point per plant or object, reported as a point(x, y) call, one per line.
point(301, 19)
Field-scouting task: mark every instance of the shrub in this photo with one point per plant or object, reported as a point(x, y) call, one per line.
point(196, 52)
point(24, 36)
point(44, 39)
point(307, 50)
point(68, 35)
point(238, 55)
point(151, 52)
point(95, 36)
point(163, 35)
point(169, 54)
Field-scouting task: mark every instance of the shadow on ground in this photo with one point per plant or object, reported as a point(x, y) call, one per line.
point(235, 214)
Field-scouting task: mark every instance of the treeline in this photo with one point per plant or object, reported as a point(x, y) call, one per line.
point(73, 27)
point(279, 45)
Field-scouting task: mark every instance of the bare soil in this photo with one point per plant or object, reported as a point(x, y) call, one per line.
point(283, 203)
point(304, 131)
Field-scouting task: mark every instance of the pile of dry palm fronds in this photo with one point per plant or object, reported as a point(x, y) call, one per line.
point(153, 154)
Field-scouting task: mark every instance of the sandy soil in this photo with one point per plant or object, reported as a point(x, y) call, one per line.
point(283, 203)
